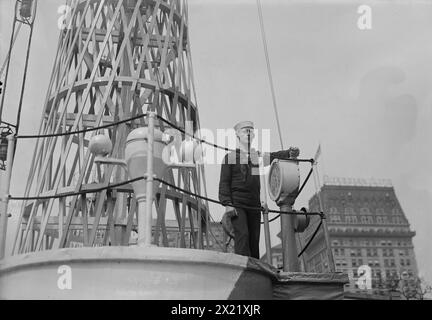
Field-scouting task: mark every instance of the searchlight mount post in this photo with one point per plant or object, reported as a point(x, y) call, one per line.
point(284, 182)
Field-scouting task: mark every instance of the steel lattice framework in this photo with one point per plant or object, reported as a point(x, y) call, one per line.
point(115, 60)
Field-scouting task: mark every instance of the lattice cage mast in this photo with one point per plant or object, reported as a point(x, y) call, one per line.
point(116, 59)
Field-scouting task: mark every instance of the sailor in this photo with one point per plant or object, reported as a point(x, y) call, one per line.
point(239, 185)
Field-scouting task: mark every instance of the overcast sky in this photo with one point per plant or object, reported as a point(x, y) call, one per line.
point(363, 94)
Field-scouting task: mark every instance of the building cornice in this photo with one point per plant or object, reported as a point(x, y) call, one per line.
point(372, 233)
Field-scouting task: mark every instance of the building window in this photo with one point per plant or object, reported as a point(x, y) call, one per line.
point(379, 211)
point(379, 219)
point(333, 210)
point(364, 210)
point(397, 220)
point(408, 262)
point(349, 210)
point(392, 263)
point(335, 218)
point(350, 219)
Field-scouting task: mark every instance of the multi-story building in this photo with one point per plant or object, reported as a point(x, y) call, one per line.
point(366, 227)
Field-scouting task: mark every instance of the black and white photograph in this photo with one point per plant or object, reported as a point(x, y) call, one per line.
point(215, 151)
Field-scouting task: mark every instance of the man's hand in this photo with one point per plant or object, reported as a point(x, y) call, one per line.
point(231, 211)
point(294, 152)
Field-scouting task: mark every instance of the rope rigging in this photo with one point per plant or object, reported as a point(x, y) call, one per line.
point(269, 72)
point(10, 49)
point(132, 119)
point(60, 134)
point(24, 14)
point(111, 186)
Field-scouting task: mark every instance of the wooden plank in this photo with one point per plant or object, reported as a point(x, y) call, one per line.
point(132, 211)
point(110, 233)
point(182, 226)
point(157, 227)
point(199, 215)
point(162, 215)
point(192, 227)
point(84, 220)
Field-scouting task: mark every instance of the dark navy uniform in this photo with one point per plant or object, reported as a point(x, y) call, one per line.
point(240, 185)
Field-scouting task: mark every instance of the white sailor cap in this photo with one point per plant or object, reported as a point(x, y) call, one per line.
point(244, 124)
